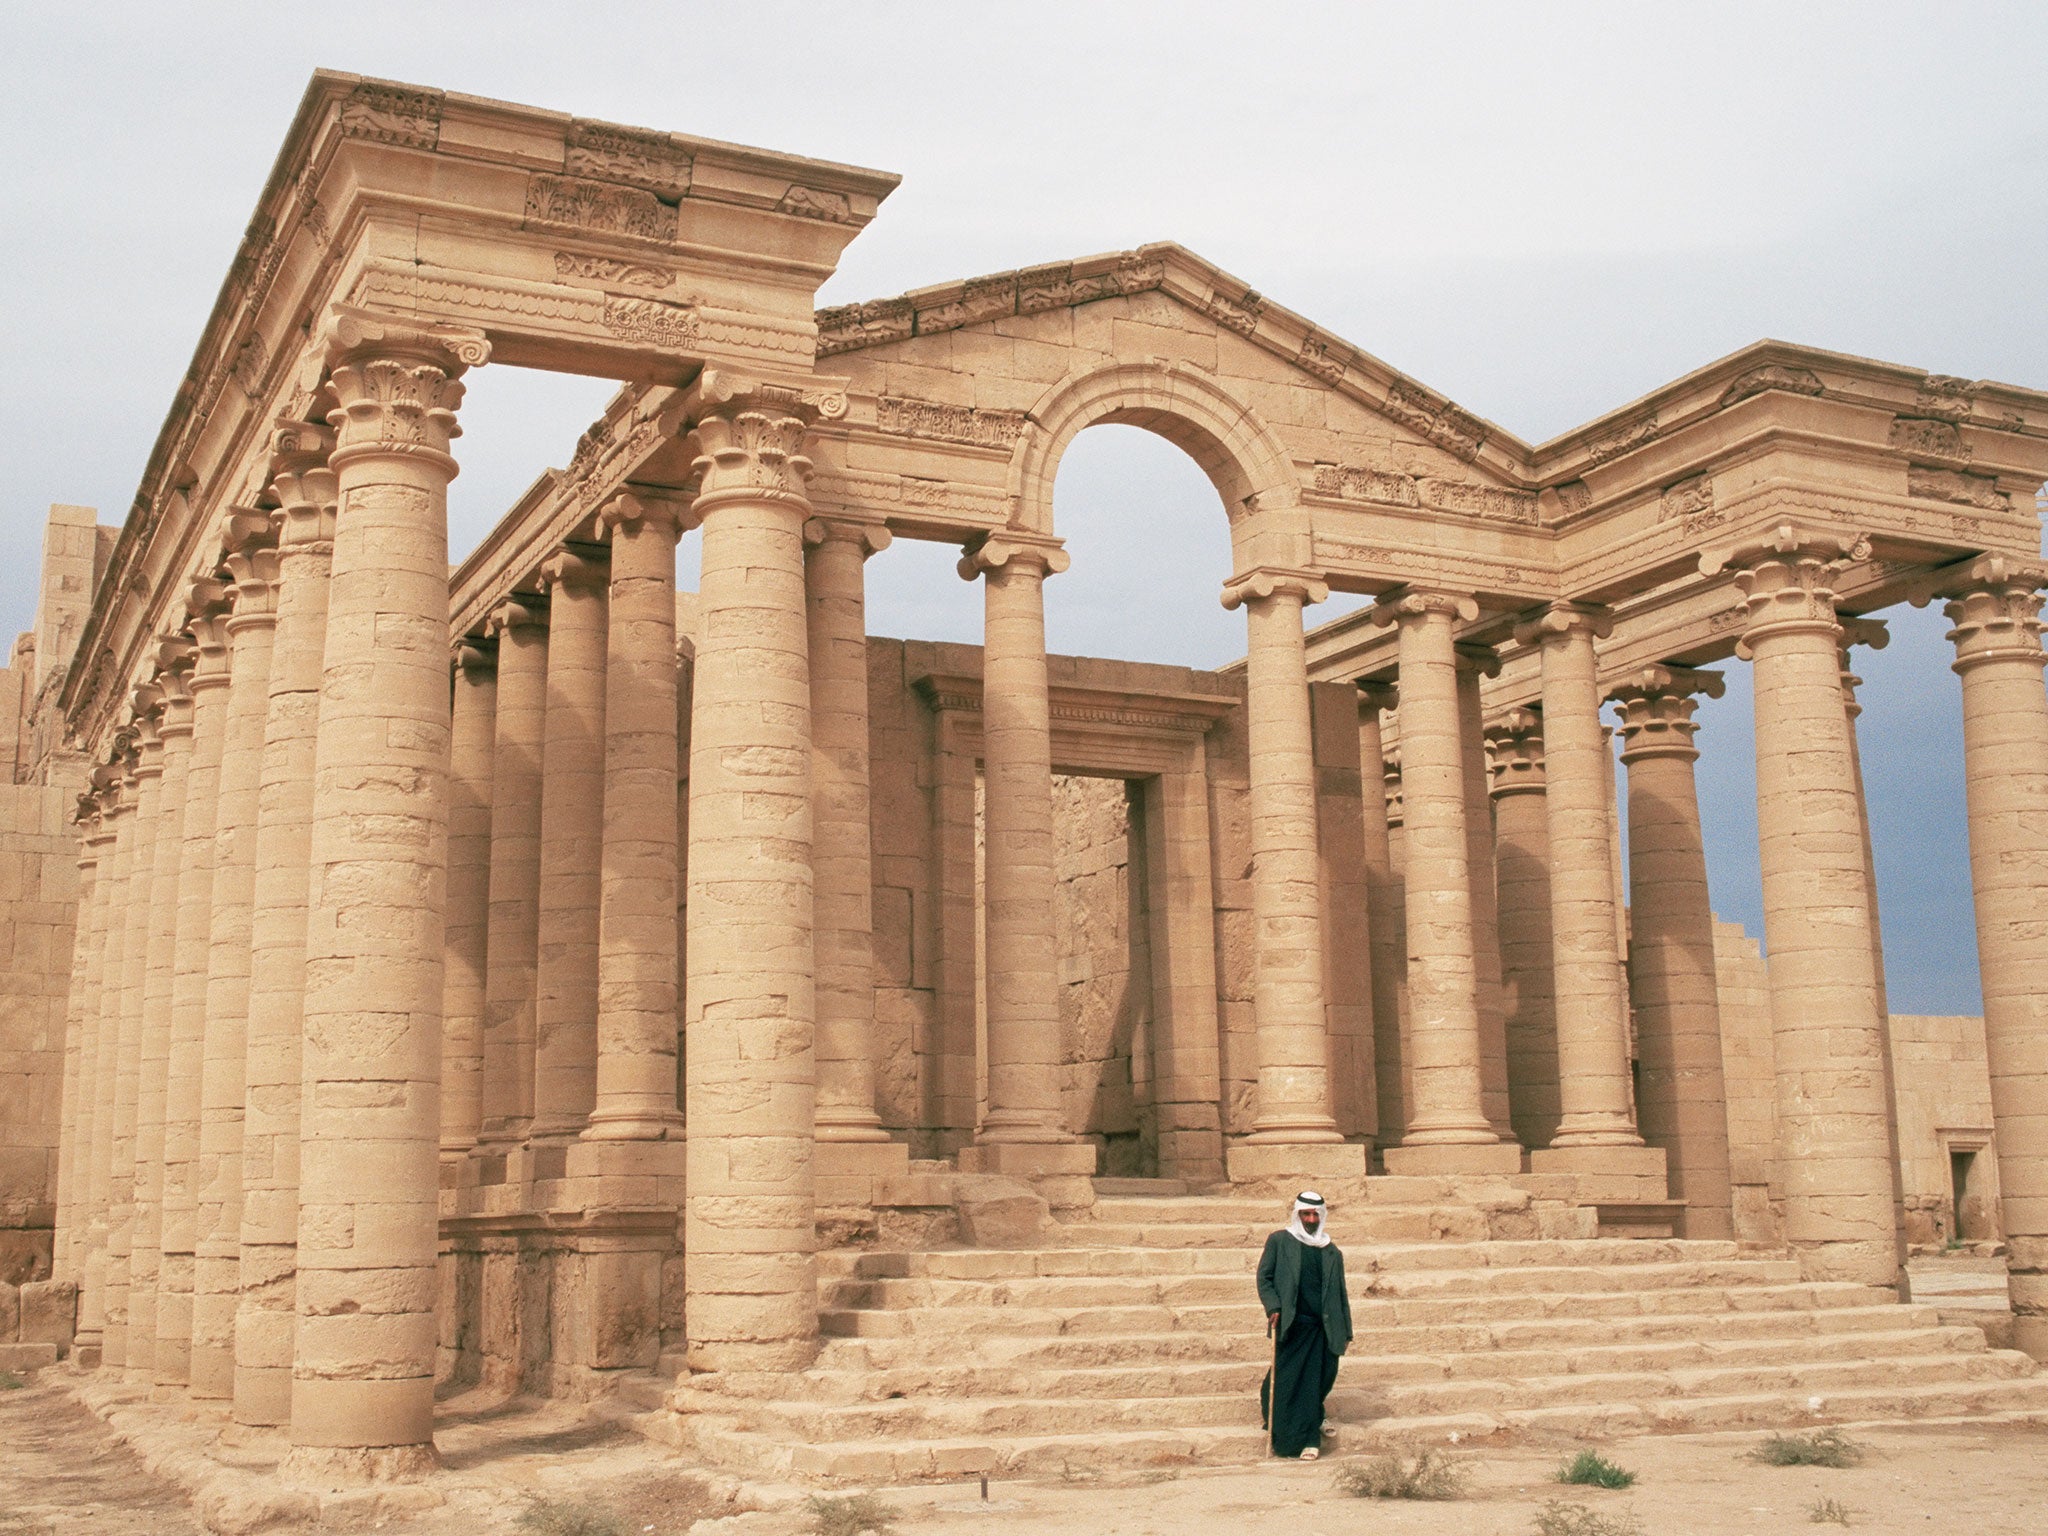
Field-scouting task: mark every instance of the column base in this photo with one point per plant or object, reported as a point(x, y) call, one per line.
point(1062, 1172)
point(1264, 1168)
point(1472, 1157)
point(845, 1171)
point(1608, 1174)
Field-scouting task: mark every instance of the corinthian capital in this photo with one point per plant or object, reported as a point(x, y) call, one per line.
point(1013, 548)
point(1559, 621)
point(1514, 745)
point(1995, 605)
point(871, 535)
point(395, 383)
point(751, 449)
point(1657, 705)
point(1787, 580)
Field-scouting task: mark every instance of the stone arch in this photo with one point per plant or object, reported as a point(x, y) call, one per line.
point(1239, 452)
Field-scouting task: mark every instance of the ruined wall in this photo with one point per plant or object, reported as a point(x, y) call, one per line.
point(1750, 1068)
point(1943, 1086)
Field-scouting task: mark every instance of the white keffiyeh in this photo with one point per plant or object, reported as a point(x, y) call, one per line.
point(1309, 1200)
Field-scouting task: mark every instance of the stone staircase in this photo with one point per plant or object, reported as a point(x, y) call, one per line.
point(1135, 1339)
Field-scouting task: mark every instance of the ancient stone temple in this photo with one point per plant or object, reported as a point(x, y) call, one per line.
point(880, 1056)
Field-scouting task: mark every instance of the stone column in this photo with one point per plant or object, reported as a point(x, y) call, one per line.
point(1995, 607)
point(1396, 1080)
point(473, 732)
point(638, 936)
point(751, 1217)
point(1448, 1131)
point(512, 945)
point(266, 1320)
point(1522, 851)
point(835, 551)
point(158, 945)
point(1835, 1146)
point(1682, 1100)
point(1294, 1102)
point(121, 1025)
point(65, 1246)
point(363, 1377)
point(1383, 915)
point(186, 1064)
point(217, 1247)
point(1474, 663)
point(103, 1027)
point(1020, 1131)
point(1592, 1011)
point(572, 794)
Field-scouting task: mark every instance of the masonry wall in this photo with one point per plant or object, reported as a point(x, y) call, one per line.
point(1944, 1112)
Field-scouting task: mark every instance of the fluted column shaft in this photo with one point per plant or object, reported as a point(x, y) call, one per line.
point(121, 1027)
point(217, 1245)
point(572, 796)
point(1443, 1007)
point(748, 1015)
point(463, 988)
point(1474, 663)
point(1995, 609)
point(1682, 1103)
point(1385, 920)
point(186, 1063)
point(1592, 1013)
point(638, 937)
point(1835, 1147)
point(836, 550)
point(1019, 882)
point(363, 1376)
point(158, 943)
point(513, 942)
point(1528, 988)
point(266, 1319)
point(1287, 910)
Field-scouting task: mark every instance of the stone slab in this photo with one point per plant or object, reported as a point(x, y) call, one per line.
point(1483, 1157)
point(1031, 1159)
point(1625, 1162)
point(1310, 1166)
point(27, 1357)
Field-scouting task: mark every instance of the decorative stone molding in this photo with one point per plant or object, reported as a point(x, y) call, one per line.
point(1480, 660)
point(745, 453)
point(1272, 580)
point(1451, 428)
point(1561, 619)
point(599, 208)
point(949, 423)
point(1690, 503)
point(1939, 442)
point(850, 327)
point(1623, 437)
point(515, 612)
point(255, 571)
point(395, 383)
point(1995, 605)
point(634, 157)
point(386, 113)
point(1240, 313)
point(1795, 381)
point(1787, 579)
point(610, 269)
point(1319, 356)
point(1515, 753)
point(1657, 705)
point(1957, 486)
point(1004, 546)
point(577, 568)
point(1152, 714)
point(1410, 604)
point(654, 512)
point(873, 537)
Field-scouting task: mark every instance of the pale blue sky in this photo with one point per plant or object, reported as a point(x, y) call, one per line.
point(1540, 210)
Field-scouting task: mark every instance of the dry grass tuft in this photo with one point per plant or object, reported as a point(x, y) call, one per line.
point(850, 1516)
point(1589, 1469)
point(568, 1517)
point(1828, 1448)
point(1828, 1512)
point(1560, 1517)
point(1432, 1475)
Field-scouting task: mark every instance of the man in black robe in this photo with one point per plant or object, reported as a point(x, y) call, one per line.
point(1301, 1285)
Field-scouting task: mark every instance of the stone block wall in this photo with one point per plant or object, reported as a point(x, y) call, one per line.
point(1943, 1086)
point(1749, 1065)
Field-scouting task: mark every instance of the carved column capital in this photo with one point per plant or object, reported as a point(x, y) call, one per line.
point(870, 535)
point(1476, 660)
point(1657, 705)
point(1412, 605)
point(1378, 694)
point(1563, 620)
point(1264, 581)
point(651, 513)
point(304, 486)
point(1995, 605)
point(579, 568)
point(1515, 753)
point(750, 449)
point(1787, 580)
point(476, 656)
point(1013, 547)
point(516, 612)
point(255, 576)
point(396, 384)
point(177, 656)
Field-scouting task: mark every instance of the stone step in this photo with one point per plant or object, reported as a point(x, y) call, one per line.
point(943, 1418)
point(899, 1460)
point(1157, 1189)
point(880, 1352)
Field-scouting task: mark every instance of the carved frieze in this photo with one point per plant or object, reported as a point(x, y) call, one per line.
point(1621, 438)
point(1317, 358)
point(814, 203)
point(1356, 484)
point(948, 423)
point(1240, 312)
point(633, 157)
point(1795, 381)
point(650, 320)
point(392, 114)
point(1690, 504)
point(1944, 397)
point(1056, 287)
point(848, 326)
point(1955, 485)
point(569, 202)
point(1441, 567)
point(609, 269)
point(1450, 428)
point(987, 298)
point(1470, 500)
point(873, 492)
point(1575, 496)
point(1922, 438)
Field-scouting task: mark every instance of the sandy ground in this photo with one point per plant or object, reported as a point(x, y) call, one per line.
point(64, 1472)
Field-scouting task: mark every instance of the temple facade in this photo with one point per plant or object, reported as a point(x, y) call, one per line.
point(527, 973)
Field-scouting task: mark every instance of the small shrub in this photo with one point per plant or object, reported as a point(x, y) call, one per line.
point(1589, 1469)
point(1560, 1517)
point(850, 1516)
point(1432, 1475)
point(568, 1517)
point(9, 1382)
point(1828, 1512)
point(1828, 1448)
